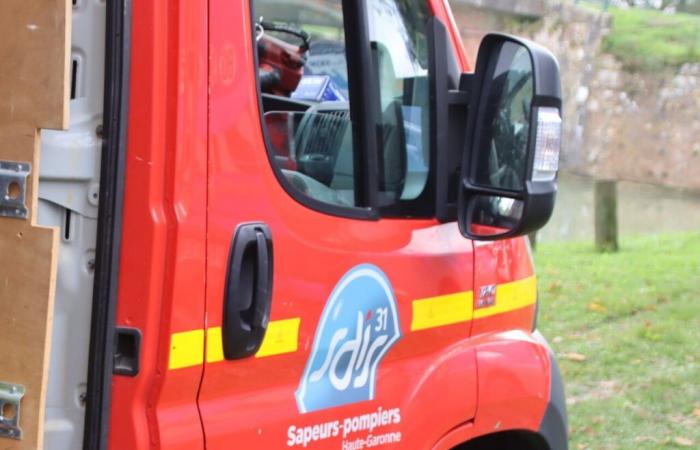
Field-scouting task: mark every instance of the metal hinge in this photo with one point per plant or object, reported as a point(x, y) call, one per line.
point(10, 397)
point(13, 189)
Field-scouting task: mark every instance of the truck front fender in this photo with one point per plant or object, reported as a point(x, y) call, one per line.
point(554, 426)
point(520, 396)
point(513, 382)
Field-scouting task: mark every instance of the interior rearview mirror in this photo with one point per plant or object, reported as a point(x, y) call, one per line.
point(511, 155)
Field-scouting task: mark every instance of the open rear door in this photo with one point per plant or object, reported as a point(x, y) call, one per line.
point(34, 94)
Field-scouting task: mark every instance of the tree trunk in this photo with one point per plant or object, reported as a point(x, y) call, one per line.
point(605, 215)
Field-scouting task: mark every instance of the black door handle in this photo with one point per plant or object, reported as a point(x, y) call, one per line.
point(248, 291)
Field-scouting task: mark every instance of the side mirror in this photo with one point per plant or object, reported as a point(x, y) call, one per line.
point(511, 156)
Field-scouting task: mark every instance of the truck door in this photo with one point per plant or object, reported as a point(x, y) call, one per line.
point(366, 328)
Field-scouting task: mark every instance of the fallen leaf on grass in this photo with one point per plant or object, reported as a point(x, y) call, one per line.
point(662, 299)
point(696, 412)
point(650, 334)
point(573, 356)
point(681, 420)
point(589, 431)
point(607, 385)
point(554, 287)
point(597, 307)
point(683, 442)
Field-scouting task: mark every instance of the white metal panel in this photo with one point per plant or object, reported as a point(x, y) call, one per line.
point(68, 193)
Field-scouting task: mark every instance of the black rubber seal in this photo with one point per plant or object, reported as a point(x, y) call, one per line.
point(109, 225)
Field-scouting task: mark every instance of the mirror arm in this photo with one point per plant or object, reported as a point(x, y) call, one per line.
point(466, 82)
point(458, 98)
point(457, 109)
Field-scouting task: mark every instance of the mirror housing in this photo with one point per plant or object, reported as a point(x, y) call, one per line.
point(511, 152)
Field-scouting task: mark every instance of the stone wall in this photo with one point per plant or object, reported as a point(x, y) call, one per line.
point(523, 8)
point(644, 126)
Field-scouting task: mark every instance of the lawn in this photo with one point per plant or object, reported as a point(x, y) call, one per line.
point(626, 329)
point(649, 40)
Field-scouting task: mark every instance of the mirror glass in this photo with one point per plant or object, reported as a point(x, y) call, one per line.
point(503, 127)
point(493, 215)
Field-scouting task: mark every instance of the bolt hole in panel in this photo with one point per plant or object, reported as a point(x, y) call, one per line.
point(13, 189)
point(68, 199)
point(9, 411)
point(10, 397)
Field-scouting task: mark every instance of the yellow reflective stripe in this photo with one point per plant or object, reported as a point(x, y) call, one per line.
point(443, 310)
point(282, 336)
point(511, 296)
point(215, 346)
point(186, 349)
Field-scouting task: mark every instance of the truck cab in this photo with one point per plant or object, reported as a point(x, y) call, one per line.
point(310, 231)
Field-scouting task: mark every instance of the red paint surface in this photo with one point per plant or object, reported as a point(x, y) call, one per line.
point(252, 401)
point(500, 262)
point(162, 278)
point(197, 167)
point(513, 382)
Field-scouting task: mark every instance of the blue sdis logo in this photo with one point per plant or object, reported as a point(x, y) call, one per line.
point(358, 326)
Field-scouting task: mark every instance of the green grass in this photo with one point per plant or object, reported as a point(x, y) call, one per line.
point(650, 40)
point(635, 318)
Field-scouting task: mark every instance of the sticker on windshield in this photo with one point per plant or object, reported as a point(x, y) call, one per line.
point(359, 325)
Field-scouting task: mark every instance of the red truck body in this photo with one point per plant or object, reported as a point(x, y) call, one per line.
point(468, 362)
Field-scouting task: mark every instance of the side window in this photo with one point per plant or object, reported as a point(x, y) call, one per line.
point(302, 67)
point(306, 99)
point(400, 47)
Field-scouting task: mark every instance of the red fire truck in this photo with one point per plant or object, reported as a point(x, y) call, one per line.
point(309, 232)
